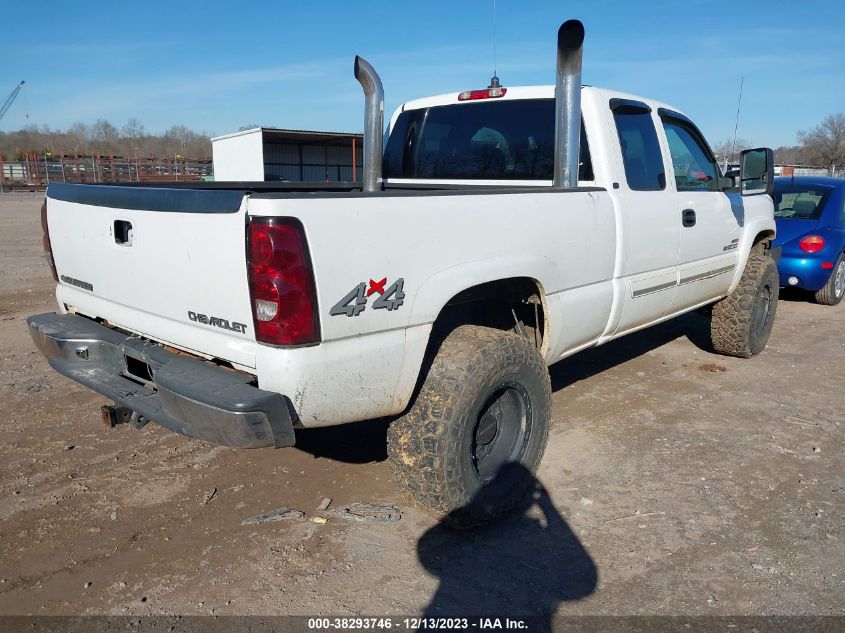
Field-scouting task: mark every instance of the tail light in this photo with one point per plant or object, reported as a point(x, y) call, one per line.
point(45, 240)
point(811, 243)
point(281, 283)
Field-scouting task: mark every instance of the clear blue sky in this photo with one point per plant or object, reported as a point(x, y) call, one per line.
point(216, 66)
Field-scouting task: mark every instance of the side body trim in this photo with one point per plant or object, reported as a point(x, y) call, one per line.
point(707, 274)
point(665, 286)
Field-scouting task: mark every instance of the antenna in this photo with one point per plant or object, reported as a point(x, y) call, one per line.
point(494, 80)
point(736, 123)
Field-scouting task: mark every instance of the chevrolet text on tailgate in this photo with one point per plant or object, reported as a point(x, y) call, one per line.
point(498, 231)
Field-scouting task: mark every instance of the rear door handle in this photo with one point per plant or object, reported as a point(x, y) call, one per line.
point(688, 217)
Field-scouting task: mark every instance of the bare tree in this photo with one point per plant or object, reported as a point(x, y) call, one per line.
point(79, 135)
point(728, 150)
point(790, 155)
point(825, 143)
point(104, 136)
point(134, 130)
point(179, 136)
point(182, 140)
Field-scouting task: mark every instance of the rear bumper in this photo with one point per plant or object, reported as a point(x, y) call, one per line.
point(186, 395)
point(807, 269)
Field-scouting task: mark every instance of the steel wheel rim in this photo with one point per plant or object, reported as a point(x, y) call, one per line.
point(839, 280)
point(502, 429)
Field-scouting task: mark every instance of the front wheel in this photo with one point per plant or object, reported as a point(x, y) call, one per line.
point(741, 323)
point(485, 403)
point(834, 289)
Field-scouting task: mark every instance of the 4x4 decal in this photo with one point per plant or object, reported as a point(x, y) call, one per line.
point(355, 301)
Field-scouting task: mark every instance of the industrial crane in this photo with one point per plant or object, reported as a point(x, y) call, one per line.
point(10, 100)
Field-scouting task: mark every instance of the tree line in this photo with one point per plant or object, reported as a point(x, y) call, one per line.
point(105, 139)
point(822, 146)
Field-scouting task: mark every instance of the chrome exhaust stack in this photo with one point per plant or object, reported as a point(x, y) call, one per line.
point(570, 41)
point(373, 122)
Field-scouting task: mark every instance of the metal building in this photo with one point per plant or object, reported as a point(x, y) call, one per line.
point(294, 155)
point(800, 170)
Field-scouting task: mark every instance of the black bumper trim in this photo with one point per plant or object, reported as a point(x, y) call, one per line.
point(186, 395)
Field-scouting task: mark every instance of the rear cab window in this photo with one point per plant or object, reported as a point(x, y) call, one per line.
point(800, 203)
point(495, 140)
point(641, 155)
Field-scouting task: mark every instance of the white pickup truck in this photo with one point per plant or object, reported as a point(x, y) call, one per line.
point(510, 228)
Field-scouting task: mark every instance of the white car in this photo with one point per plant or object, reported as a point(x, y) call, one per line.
point(510, 228)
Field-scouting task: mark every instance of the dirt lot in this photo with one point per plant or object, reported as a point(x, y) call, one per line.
point(679, 482)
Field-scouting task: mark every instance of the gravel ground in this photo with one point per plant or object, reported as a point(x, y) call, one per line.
point(675, 482)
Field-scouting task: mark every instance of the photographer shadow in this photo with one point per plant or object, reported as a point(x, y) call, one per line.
point(524, 565)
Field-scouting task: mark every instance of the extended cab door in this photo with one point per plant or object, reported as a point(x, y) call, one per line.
point(709, 224)
point(649, 268)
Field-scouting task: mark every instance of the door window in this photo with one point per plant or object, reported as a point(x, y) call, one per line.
point(641, 154)
point(693, 164)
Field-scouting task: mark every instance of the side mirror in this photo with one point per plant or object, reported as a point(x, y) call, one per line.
point(756, 171)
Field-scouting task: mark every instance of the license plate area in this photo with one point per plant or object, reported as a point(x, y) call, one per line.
point(137, 369)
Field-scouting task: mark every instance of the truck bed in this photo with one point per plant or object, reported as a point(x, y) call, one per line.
point(183, 282)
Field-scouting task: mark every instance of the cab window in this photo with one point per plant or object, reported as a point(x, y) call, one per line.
point(693, 165)
point(495, 140)
point(641, 156)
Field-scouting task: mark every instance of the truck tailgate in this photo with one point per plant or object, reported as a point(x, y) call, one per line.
point(169, 264)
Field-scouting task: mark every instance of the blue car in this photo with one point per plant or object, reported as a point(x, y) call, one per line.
point(810, 217)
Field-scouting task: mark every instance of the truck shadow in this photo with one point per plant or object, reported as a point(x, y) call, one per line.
point(526, 564)
point(366, 442)
point(595, 360)
point(797, 295)
point(357, 443)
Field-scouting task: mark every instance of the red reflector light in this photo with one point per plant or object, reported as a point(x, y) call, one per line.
point(811, 243)
point(45, 241)
point(827, 265)
point(281, 283)
point(487, 93)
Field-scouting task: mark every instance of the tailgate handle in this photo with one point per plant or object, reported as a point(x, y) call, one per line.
point(123, 232)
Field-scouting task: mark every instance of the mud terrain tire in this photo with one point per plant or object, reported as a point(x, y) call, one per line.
point(485, 402)
point(741, 323)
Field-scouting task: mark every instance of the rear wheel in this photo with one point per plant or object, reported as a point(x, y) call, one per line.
point(485, 403)
point(741, 323)
point(834, 289)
